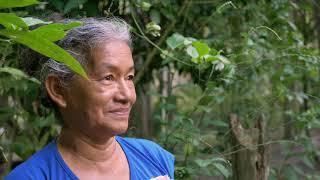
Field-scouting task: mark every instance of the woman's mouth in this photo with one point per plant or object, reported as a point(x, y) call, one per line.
point(120, 112)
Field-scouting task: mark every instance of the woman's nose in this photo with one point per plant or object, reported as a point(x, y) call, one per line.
point(125, 92)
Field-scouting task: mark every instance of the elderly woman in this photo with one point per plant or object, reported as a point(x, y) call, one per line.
point(94, 112)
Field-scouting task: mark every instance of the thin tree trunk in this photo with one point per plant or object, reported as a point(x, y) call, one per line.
point(250, 160)
point(164, 87)
point(146, 112)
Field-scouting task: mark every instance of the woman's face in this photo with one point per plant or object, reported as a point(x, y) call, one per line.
point(101, 106)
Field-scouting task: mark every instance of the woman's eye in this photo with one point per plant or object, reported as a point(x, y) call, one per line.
point(109, 78)
point(130, 77)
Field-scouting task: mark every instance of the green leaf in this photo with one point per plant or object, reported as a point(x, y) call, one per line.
point(30, 21)
point(16, 3)
point(201, 47)
point(43, 140)
point(18, 74)
point(54, 32)
point(145, 6)
point(290, 173)
point(205, 100)
point(307, 162)
point(222, 169)
point(210, 58)
point(45, 47)
point(11, 21)
point(71, 4)
point(195, 60)
point(219, 159)
point(191, 51)
point(175, 40)
point(219, 123)
point(153, 29)
point(203, 163)
point(223, 59)
point(187, 149)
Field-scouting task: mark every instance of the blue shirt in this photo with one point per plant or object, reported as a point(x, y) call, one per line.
point(146, 160)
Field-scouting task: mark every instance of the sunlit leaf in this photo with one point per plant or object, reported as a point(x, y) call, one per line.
point(201, 47)
point(145, 6)
point(16, 3)
point(11, 21)
point(46, 48)
point(30, 21)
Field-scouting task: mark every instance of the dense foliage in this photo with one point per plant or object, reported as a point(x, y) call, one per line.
point(197, 63)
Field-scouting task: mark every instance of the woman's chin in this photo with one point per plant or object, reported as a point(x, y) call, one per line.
point(120, 128)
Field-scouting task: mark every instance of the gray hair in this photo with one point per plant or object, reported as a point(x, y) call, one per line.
point(80, 41)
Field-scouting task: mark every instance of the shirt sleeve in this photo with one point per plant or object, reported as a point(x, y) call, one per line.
point(168, 159)
point(20, 172)
point(165, 158)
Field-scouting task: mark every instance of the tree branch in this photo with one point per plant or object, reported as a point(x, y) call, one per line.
point(153, 52)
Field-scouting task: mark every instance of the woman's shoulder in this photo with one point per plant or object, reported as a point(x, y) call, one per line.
point(148, 156)
point(44, 164)
point(145, 145)
point(34, 166)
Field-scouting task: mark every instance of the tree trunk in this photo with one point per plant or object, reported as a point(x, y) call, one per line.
point(250, 160)
point(164, 88)
point(146, 112)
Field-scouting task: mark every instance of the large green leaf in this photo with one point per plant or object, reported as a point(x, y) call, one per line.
point(11, 21)
point(45, 47)
point(16, 3)
point(54, 32)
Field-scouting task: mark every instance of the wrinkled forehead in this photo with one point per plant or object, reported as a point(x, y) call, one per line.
point(114, 55)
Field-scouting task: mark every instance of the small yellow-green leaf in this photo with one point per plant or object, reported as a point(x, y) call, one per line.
point(16, 3)
point(11, 21)
point(210, 58)
point(45, 47)
point(201, 47)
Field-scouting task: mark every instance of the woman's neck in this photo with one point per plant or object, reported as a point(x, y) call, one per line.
point(72, 143)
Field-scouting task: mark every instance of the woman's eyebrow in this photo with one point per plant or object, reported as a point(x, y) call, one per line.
point(114, 67)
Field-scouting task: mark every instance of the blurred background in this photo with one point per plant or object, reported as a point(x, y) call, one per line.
point(231, 88)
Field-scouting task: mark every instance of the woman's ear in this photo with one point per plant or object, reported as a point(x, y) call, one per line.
point(56, 91)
